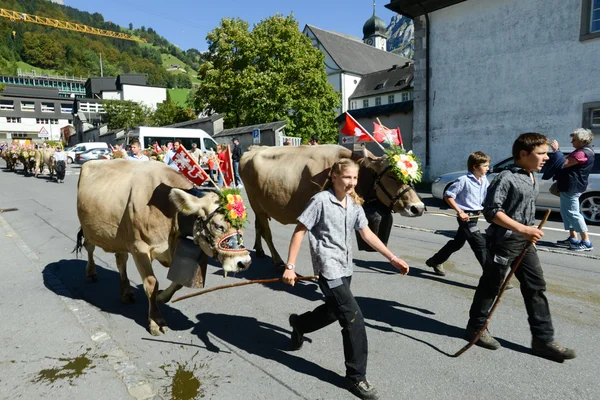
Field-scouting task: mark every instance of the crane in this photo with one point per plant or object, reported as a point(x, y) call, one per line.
point(56, 23)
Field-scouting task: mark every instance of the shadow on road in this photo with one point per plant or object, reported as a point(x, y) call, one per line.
point(385, 267)
point(263, 340)
point(104, 294)
point(262, 268)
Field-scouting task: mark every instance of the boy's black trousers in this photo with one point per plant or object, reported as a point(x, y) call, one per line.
point(341, 306)
point(501, 257)
point(468, 231)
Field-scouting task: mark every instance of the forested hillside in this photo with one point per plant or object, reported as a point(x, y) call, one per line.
point(78, 54)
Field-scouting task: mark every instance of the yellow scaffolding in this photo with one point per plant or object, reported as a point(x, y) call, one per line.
point(56, 23)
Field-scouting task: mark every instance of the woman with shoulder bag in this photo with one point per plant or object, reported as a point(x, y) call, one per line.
point(571, 182)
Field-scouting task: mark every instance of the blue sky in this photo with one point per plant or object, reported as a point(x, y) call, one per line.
point(185, 23)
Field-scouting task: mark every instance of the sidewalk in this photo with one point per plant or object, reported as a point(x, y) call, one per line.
point(45, 351)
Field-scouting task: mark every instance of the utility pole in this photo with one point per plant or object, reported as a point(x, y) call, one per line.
point(101, 72)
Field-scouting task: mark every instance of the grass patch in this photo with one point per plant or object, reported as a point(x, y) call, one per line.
point(179, 96)
point(27, 68)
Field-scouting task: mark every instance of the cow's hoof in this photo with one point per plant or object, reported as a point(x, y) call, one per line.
point(128, 297)
point(260, 254)
point(156, 329)
point(92, 278)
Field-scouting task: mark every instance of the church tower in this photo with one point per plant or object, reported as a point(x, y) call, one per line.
point(374, 32)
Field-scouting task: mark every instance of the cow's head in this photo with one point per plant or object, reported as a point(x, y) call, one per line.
point(391, 185)
point(216, 229)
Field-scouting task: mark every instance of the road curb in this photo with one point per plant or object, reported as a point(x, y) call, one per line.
point(136, 384)
point(540, 248)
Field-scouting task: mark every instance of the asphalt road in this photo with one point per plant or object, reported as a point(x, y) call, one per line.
point(63, 338)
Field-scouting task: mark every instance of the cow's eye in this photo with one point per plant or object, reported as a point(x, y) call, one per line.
point(220, 227)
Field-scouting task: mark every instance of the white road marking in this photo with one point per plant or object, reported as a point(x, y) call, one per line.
point(562, 230)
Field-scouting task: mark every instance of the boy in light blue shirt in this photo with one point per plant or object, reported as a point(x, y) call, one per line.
point(466, 197)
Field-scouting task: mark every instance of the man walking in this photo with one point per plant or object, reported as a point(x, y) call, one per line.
point(196, 153)
point(136, 152)
point(169, 157)
point(236, 155)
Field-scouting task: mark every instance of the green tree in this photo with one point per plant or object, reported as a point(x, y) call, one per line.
point(270, 73)
point(168, 113)
point(125, 114)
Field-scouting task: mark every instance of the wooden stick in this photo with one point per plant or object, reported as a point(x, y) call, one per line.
point(3, 210)
point(187, 296)
point(450, 214)
point(516, 265)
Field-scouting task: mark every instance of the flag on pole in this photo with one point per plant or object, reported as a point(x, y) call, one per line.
point(383, 134)
point(227, 167)
point(189, 167)
point(157, 147)
point(355, 131)
point(399, 137)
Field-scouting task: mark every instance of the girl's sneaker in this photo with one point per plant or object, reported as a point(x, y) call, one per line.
point(568, 241)
point(582, 246)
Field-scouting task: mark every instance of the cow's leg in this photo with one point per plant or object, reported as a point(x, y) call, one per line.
point(165, 295)
point(258, 247)
point(127, 294)
point(266, 234)
point(90, 269)
point(156, 322)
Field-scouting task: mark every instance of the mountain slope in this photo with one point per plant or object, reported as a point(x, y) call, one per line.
point(401, 36)
point(73, 53)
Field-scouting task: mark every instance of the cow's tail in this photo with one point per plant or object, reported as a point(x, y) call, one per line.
point(79, 243)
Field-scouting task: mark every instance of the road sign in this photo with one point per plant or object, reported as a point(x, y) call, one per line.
point(256, 136)
point(43, 133)
point(348, 139)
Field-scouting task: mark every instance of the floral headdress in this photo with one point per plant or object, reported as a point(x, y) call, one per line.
point(233, 207)
point(405, 164)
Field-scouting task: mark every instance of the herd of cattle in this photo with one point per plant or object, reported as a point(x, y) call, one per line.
point(33, 160)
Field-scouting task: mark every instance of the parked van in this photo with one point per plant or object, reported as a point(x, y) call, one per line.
point(81, 147)
point(150, 135)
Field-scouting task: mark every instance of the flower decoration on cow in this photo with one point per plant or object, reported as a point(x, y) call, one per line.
point(405, 164)
point(233, 206)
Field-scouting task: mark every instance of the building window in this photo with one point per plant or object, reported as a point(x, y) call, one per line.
point(595, 20)
point(595, 118)
point(27, 106)
point(46, 121)
point(47, 107)
point(365, 103)
point(591, 116)
point(377, 101)
point(590, 20)
point(13, 120)
point(390, 99)
point(66, 108)
point(405, 96)
point(7, 105)
point(353, 105)
point(379, 86)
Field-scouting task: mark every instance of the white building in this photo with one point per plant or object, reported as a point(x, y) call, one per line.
point(348, 59)
point(493, 69)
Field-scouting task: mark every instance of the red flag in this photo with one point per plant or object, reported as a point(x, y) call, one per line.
point(227, 165)
point(157, 147)
point(352, 128)
point(383, 134)
point(399, 136)
point(189, 167)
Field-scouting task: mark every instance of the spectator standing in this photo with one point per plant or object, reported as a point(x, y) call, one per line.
point(571, 182)
point(236, 155)
point(170, 156)
point(136, 152)
point(60, 158)
point(195, 153)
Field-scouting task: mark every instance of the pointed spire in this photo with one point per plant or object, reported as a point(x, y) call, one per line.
point(374, 5)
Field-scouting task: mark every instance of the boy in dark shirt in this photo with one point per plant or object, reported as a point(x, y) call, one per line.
point(510, 208)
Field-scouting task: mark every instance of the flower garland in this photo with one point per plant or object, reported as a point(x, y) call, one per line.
point(405, 164)
point(233, 207)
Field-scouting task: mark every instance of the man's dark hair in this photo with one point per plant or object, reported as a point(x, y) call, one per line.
point(315, 139)
point(176, 141)
point(477, 158)
point(528, 141)
point(136, 142)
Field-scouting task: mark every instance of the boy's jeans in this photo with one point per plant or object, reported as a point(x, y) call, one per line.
point(500, 258)
point(341, 306)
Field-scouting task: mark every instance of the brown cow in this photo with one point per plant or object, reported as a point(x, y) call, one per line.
point(132, 207)
point(45, 157)
point(281, 180)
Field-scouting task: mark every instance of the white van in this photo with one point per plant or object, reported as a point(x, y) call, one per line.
point(81, 147)
point(150, 135)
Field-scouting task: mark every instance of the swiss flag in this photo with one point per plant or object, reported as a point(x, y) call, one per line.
point(352, 128)
point(157, 148)
point(189, 167)
point(227, 167)
point(382, 134)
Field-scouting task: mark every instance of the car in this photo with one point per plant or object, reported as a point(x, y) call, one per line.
point(589, 200)
point(91, 154)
